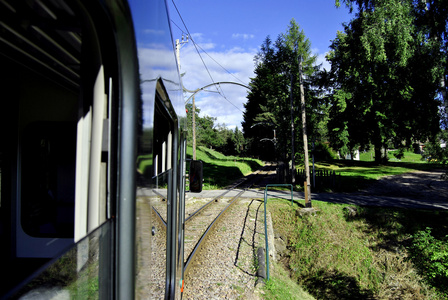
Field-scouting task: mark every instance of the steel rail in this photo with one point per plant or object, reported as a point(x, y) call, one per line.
point(200, 243)
point(205, 235)
point(216, 198)
point(160, 217)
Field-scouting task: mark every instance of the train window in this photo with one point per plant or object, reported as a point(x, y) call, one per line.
point(68, 112)
point(48, 175)
point(54, 98)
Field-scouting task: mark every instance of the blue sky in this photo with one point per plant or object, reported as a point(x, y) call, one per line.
point(231, 33)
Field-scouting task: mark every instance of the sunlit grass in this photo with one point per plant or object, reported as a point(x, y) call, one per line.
point(335, 255)
point(352, 175)
point(220, 170)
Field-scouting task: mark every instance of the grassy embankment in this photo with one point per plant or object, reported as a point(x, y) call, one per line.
point(374, 253)
point(220, 170)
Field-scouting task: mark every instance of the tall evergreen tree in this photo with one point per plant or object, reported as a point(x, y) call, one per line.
point(386, 73)
point(268, 107)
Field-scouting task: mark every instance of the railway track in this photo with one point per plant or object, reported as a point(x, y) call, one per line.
point(201, 218)
point(200, 223)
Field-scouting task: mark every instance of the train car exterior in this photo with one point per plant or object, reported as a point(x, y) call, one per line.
point(92, 154)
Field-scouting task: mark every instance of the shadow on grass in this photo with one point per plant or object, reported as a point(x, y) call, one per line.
point(342, 184)
point(395, 223)
point(397, 229)
point(423, 166)
point(219, 176)
point(336, 285)
point(352, 176)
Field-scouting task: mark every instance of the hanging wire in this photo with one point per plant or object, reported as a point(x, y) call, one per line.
point(218, 87)
point(194, 43)
point(221, 66)
point(183, 32)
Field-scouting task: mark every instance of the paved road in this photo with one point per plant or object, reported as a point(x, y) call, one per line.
point(423, 190)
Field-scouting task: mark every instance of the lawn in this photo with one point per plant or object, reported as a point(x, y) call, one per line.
point(352, 175)
point(220, 170)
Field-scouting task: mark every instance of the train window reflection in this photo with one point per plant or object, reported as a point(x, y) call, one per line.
point(153, 199)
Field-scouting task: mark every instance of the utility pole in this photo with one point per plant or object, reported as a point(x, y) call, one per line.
point(178, 45)
point(305, 139)
point(293, 165)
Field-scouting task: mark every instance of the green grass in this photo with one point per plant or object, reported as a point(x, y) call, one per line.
point(336, 255)
point(355, 175)
point(220, 170)
point(408, 156)
point(281, 286)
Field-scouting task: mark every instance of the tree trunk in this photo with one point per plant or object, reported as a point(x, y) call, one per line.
point(378, 157)
point(305, 139)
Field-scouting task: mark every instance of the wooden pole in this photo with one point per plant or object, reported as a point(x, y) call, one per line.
point(305, 139)
point(293, 165)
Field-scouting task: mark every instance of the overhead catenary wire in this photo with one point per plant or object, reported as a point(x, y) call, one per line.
point(233, 75)
point(183, 32)
point(218, 86)
point(194, 43)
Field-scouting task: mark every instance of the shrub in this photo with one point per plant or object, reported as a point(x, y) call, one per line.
point(431, 257)
point(323, 152)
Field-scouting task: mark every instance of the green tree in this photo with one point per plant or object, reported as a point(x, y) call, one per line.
point(268, 106)
point(213, 135)
point(238, 141)
point(385, 73)
point(258, 121)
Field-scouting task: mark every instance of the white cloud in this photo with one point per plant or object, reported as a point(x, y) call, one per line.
point(244, 36)
point(154, 31)
point(241, 67)
point(239, 62)
point(321, 59)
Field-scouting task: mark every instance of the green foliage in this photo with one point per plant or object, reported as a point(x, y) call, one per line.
point(338, 254)
point(386, 75)
point(431, 257)
point(323, 152)
point(268, 108)
point(209, 134)
point(280, 286)
point(433, 151)
point(399, 154)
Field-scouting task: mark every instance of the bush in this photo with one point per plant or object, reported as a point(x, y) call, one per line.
point(323, 152)
point(431, 257)
point(399, 154)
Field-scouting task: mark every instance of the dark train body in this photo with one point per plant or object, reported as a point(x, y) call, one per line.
point(92, 121)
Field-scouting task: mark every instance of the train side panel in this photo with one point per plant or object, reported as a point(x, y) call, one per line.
point(92, 150)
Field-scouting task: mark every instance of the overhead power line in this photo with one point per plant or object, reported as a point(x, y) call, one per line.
point(183, 32)
point(194, 43)
point(217, 86)
point(221, 65)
